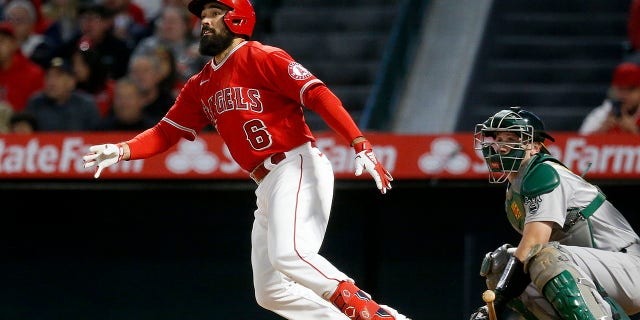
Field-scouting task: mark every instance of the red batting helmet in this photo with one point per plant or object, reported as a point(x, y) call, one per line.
point(240, 19)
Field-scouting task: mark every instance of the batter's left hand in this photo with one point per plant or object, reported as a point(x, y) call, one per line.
point(366, 159)
point(102, 156)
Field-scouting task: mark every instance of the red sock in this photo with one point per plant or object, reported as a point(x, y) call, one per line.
point(356, 304)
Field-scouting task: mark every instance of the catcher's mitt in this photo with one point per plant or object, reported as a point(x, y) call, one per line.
point(493, 265)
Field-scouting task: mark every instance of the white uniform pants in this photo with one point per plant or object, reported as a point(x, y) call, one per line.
point(293, 207)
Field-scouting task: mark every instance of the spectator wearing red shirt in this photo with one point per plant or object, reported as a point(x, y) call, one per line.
point(42, 22)
point(620, 110)
point(23, 15)
point(19, 77)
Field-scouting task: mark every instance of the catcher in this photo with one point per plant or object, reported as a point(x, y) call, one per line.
point(578, 257)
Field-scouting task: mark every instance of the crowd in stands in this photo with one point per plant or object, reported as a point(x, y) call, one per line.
point(69, 65)
point(619, 111)
point(89, 65)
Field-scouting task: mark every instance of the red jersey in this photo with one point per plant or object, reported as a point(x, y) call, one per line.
point(617, 129)
point(20, 81)
point(104, 98)
point(254, 100)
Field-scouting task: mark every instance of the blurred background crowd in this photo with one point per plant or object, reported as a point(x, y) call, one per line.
point(106, 65)
point(399, 66)
point(78, 65)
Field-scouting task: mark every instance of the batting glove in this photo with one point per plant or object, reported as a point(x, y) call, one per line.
point(366, 159)
point(103, 155)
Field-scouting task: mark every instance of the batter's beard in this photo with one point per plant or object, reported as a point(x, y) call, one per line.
point(212, 45)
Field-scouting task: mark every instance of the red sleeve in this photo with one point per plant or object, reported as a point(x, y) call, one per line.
point(322, 101)
point(153, 141)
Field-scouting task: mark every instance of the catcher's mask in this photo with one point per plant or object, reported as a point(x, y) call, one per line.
point(504, 157)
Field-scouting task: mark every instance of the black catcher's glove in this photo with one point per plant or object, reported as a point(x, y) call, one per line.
point(481, 314)
point(493, 265)
point(512, 283)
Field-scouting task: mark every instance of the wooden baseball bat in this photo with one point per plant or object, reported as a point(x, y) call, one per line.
point(488, 296)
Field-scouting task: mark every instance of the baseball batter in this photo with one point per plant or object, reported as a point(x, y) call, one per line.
point(253, 94)
point(578, 257)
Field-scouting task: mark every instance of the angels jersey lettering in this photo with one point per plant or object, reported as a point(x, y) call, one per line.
point(242, 97)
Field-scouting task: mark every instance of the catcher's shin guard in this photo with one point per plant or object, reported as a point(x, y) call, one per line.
point(572, 296)
point(356, 304)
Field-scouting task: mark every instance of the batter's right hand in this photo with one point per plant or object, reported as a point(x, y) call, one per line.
point(103, 155)
point(366, 159)
point(481, 314)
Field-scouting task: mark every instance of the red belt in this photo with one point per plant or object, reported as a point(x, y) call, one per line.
point(261, 171)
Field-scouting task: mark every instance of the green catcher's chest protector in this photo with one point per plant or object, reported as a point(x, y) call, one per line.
point(539, 178)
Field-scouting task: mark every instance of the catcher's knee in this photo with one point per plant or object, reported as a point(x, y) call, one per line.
point(558, 279)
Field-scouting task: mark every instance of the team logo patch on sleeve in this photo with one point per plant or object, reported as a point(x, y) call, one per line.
point(532, 204)
point(298, 72)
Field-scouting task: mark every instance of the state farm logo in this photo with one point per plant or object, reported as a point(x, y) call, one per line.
point(195, 156)
point(60, 155)
point(446, 155)
point(34, 156)
point(192, 155)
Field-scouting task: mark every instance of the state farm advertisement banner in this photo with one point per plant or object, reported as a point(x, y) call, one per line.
point(445, 156)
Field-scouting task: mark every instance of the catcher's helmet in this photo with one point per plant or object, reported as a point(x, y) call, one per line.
point(539, 133)
point(500, 162)
point(240, 19)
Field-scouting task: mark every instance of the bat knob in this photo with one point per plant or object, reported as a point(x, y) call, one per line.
point(488, 296)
